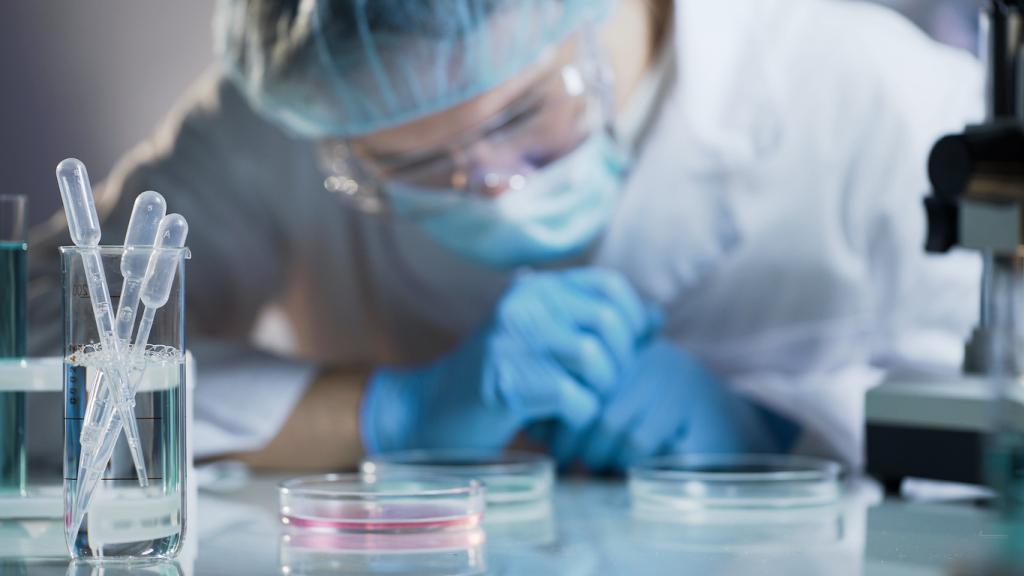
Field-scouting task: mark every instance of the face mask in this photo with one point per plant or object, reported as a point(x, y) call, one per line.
point(559, 213)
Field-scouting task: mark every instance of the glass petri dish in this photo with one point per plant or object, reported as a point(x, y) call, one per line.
point(671, 484)
point(746, 529)
point(511, 478)
point(368, 504)
point(460, 553)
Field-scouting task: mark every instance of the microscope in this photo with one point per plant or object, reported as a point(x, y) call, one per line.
point(943, 429)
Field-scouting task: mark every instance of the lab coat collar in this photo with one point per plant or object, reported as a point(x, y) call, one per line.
point(730, 100)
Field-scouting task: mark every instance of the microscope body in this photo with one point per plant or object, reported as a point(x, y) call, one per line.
point(918, 426)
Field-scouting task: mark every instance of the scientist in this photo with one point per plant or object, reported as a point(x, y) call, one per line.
point(620, 228)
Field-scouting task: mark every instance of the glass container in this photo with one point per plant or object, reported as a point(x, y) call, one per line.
point(126, 520)
point(675, 484)
point(13, 340)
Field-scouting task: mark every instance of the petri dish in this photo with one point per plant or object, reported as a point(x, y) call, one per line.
point(693, 482)
point(511, 478)
point(460, 553)
point(368, 504)
point(746, 529)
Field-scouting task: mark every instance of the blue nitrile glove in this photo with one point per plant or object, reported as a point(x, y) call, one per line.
point(669, 403)
point(555, 344)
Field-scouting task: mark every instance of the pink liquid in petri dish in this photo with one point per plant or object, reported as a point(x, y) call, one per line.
point(393, 517)
point(386, 542)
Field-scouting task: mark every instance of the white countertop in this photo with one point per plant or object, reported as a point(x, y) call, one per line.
point(592, 532)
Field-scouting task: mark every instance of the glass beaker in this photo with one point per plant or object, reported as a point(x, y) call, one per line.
point(125, 520)
point(13, 321)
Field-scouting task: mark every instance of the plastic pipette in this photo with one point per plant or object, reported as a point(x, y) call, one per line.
point(149, 209)
point(84, 225)
point(155, 290)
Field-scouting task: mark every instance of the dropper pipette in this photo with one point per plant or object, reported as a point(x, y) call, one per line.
point(84, 226)
point(149, 209)
point(155, 291)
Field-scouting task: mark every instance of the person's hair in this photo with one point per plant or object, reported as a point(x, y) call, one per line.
point(661, 13)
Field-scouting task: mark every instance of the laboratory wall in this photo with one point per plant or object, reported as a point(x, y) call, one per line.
point(954, 22)
point(90, 79)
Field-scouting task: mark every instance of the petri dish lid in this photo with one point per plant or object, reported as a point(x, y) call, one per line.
point(733, 481)
point(510, 477)
point(366, 503)
point(460, 553)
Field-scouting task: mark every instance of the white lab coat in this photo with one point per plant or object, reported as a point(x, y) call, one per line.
point(774, 212)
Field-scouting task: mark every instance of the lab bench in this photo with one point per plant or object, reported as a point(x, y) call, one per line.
point(590, 530)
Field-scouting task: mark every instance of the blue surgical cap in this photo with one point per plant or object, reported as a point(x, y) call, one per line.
point(344, 68)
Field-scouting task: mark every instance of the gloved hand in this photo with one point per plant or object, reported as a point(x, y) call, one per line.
point(670, 404)
point(555, 344)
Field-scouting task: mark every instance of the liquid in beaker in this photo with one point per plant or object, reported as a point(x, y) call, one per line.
point(13, 325)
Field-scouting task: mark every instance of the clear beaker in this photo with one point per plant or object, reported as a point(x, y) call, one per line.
point(13, 322)
point(125, 520)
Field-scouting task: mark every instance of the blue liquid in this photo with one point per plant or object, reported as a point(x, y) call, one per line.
point(13, 322)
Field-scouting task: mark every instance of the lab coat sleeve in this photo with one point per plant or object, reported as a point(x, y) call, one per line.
point(919, 307)
point(886, 94)
point(221, 167)
point(923, 305)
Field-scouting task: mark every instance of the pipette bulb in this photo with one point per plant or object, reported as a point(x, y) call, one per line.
point(79, 205)
point(156, 288)
point(172, 232)
point(149, 209)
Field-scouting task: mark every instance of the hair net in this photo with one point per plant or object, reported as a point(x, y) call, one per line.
point(343, 68)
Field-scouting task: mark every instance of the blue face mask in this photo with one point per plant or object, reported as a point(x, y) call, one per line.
point(560, 212)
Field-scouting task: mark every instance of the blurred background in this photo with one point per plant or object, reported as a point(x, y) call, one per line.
point(91, 79)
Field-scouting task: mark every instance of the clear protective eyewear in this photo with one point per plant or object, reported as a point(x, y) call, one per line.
point(570, 99)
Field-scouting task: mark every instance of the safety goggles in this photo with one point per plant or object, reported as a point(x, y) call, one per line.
point(568, 98)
